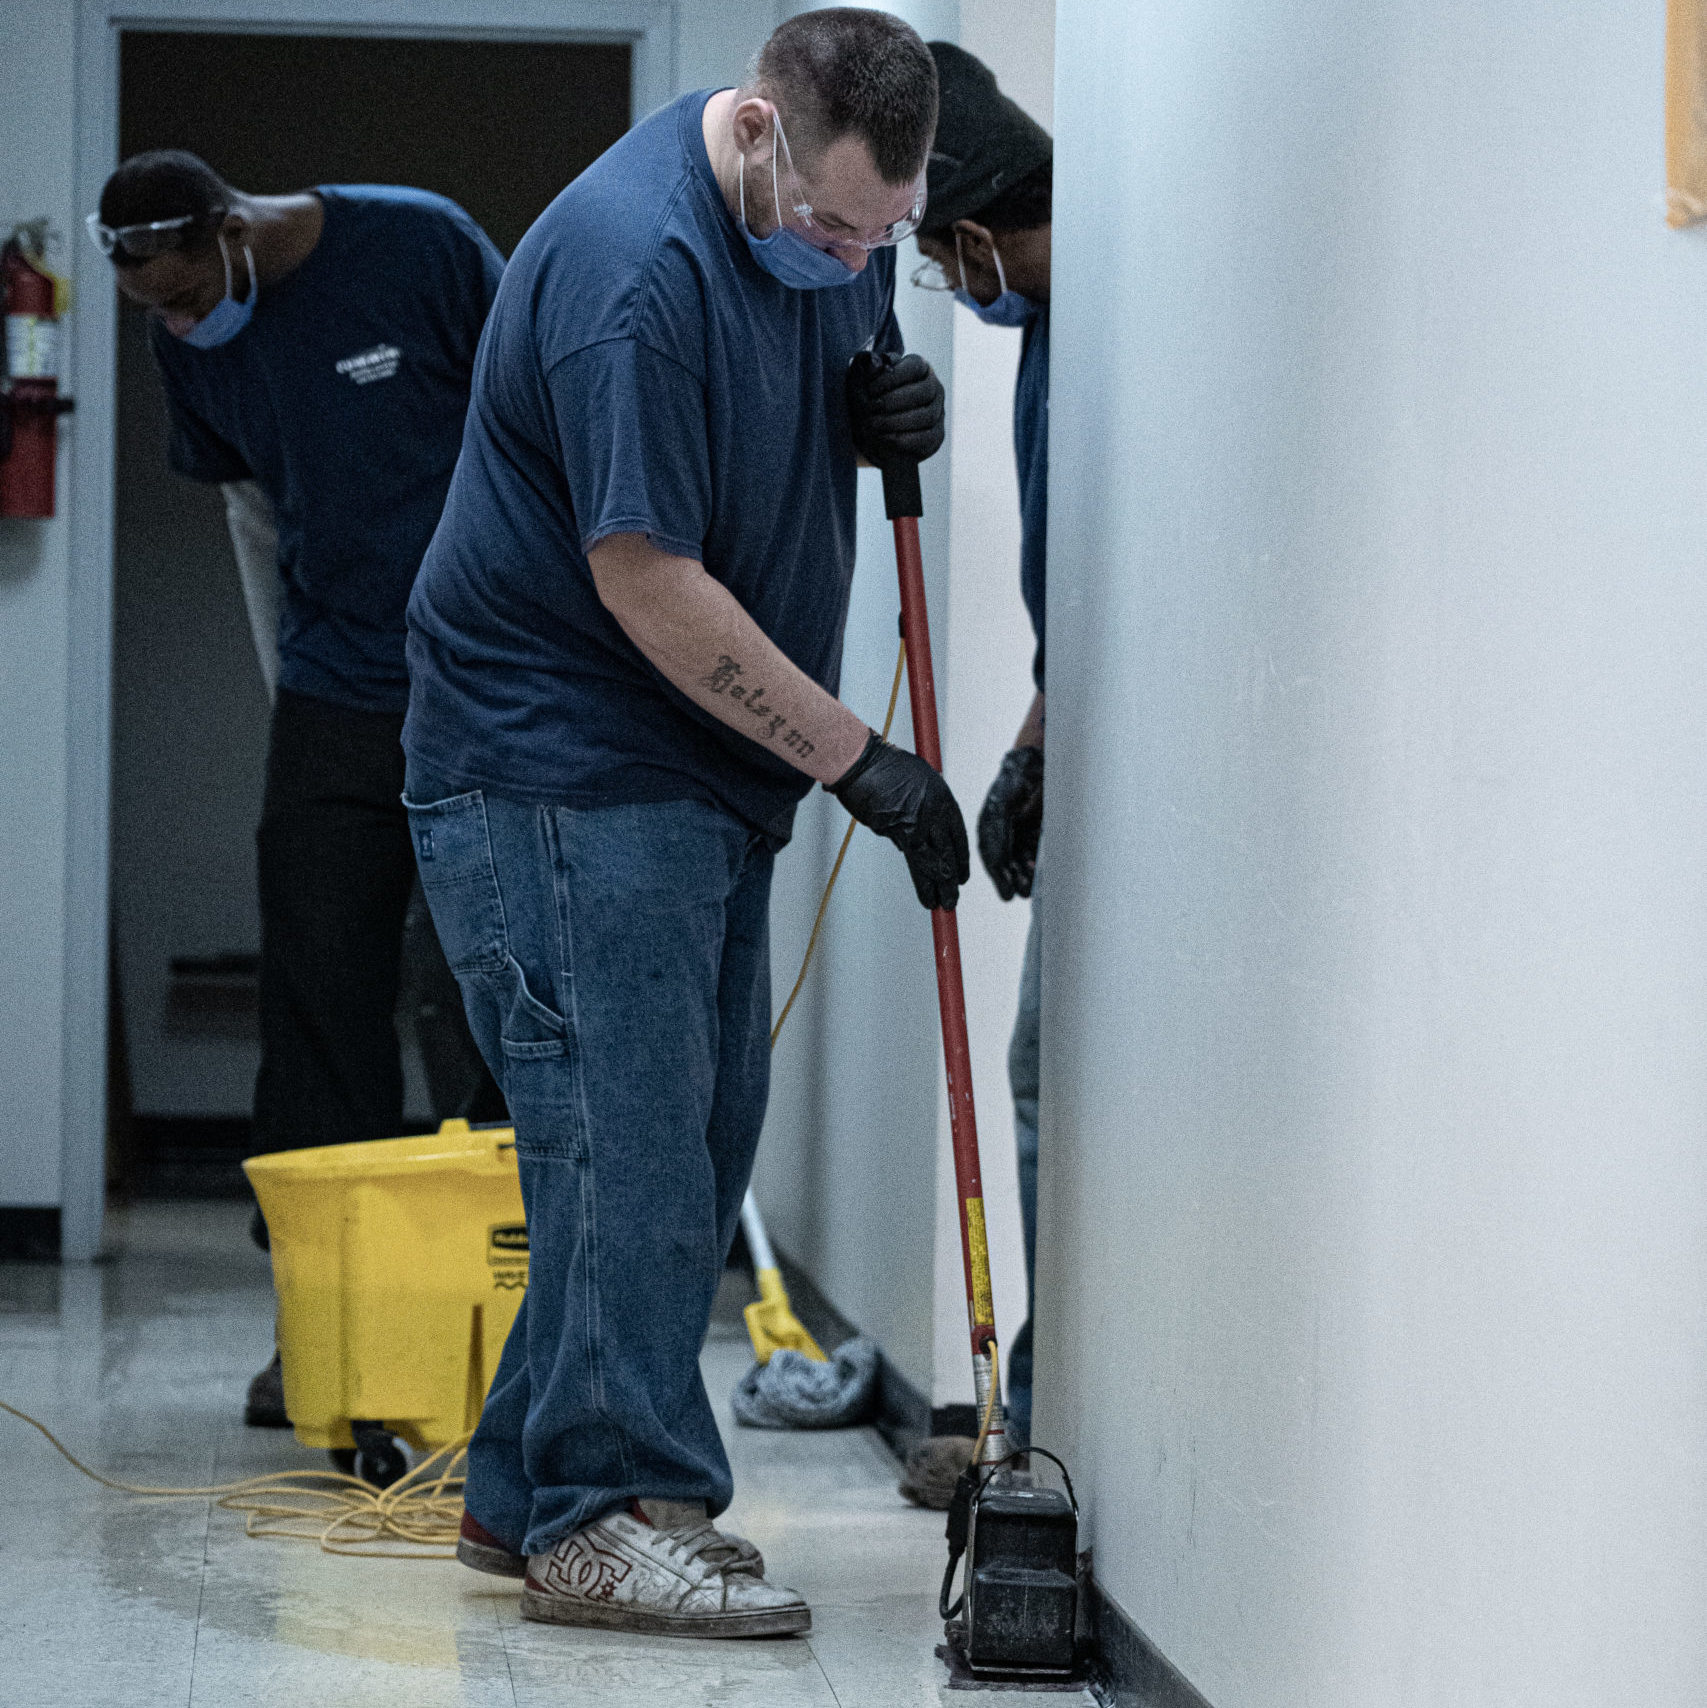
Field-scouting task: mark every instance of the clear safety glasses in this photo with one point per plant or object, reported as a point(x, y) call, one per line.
point(826, 233)
point(141, 242)
point(930, 274)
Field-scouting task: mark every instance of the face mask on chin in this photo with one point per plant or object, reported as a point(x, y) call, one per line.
point(1008, 309)
point(785, 254)
point(228, 317)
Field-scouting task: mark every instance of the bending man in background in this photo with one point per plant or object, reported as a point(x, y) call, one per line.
point(319, 345)
point(986, 236)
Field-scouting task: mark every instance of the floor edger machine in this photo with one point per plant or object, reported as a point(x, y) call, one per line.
point(1018, 1607)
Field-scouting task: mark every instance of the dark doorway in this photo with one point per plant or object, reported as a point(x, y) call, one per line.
point(498, 126)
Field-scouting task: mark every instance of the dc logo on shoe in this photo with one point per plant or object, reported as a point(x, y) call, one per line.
point(585, 1570)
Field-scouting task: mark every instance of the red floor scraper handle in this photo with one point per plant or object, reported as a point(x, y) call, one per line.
point(903, 503)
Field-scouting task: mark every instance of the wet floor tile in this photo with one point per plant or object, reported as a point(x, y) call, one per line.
point(109, 1602)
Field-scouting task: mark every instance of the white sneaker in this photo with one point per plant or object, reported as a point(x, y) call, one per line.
point(624, 1574)
point(733, 1553)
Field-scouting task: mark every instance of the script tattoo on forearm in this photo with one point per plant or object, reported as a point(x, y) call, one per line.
point(769, 724)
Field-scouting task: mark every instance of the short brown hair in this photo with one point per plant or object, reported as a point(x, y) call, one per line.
point(846, 70)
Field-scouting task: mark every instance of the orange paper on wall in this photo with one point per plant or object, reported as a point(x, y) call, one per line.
point(1686, 111)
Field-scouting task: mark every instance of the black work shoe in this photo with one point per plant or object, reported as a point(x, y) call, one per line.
point(265, 1406)
point(933, 1468)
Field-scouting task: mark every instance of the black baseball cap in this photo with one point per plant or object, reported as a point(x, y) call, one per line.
point(985, 141)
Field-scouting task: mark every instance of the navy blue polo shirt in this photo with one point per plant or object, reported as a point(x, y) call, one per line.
point(641, 373)
point(344, 398)
point(1031, 453)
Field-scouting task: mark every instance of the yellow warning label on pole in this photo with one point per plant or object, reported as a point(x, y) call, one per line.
point(978, 1244)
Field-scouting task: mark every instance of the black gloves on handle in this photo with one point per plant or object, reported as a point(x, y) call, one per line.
point(1012, 821)
point(895, 408)
point(895, 411)
point(898, 795)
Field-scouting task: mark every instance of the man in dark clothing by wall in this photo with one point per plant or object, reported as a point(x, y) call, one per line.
point(318, 345)
point(986, 237)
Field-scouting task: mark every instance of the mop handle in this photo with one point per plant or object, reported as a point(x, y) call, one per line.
point(904, 504)
point(752, 1224)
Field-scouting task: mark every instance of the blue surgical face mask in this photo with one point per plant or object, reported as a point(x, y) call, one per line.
point(1008, 309)
point(785, 254)
point(228, 317)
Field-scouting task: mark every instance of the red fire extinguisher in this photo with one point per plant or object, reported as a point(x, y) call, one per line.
point(30, 403)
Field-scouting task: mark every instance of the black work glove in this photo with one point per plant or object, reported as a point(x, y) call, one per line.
point(898, 795)
point(895, 408)
point(1012, 821)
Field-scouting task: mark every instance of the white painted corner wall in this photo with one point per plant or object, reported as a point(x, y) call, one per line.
point(37, 117)
point(1374, 1199)
point(855, 1172)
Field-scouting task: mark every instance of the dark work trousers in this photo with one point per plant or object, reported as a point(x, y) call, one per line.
point(336, 867)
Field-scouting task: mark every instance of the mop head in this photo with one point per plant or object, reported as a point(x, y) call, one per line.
point(793, 1391)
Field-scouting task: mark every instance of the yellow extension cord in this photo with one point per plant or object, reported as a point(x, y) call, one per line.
point(418, 1517)
point(421, 1510)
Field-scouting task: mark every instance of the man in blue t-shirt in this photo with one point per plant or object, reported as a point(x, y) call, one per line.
point(986, 238)
point(316, 349)
point(624, 648)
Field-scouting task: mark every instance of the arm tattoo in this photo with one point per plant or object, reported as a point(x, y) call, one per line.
point(769, 724)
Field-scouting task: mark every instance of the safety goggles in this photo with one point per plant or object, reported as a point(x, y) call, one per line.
point(930, 275)
point(835, 236)
point(141, 242)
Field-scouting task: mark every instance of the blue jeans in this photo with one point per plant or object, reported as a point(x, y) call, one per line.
point(1022, 1081)
point(615, 965)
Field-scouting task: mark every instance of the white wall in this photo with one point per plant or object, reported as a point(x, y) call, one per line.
point(1375, 1301)
point(36, 117)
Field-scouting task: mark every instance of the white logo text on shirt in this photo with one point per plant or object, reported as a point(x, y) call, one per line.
point(366, 366)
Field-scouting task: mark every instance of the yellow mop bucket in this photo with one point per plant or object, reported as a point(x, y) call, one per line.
point(399, 1266)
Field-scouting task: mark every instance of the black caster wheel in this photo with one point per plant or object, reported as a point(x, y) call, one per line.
point(379, 1458)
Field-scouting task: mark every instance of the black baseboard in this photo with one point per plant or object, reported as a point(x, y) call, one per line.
point(188, 1157)
point(29, 1233)
point(1130, 1671)
point(960, 1419)
point(903, 1413)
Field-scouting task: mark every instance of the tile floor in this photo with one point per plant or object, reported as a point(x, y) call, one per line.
point(108, 1602)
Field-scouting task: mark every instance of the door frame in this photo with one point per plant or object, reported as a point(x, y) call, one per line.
point(649, 27)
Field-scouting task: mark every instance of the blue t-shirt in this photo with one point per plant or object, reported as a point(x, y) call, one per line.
point(344, 398)
point(1031, 452)
point(641, 373)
